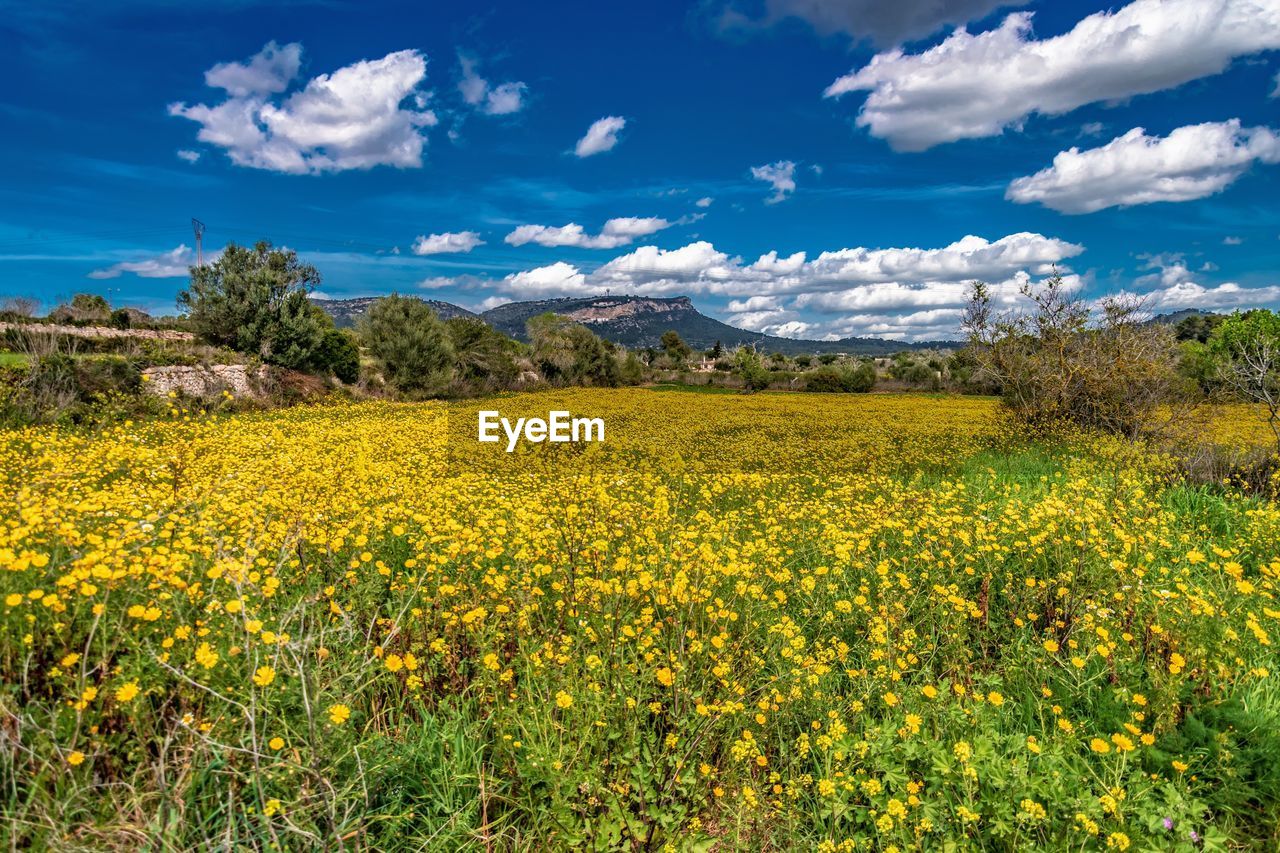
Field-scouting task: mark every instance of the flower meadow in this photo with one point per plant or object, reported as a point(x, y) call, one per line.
point(842, 623)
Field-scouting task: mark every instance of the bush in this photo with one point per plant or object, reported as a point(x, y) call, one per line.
point(569, 353)
point(1245, 352)
point(339, 354)
point(410, 343)
point(484, 359)
point(255, 302)
point(1054, 365)
point(841, 379)
point(750, 367)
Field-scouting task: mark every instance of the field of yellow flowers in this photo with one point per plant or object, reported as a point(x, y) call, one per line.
point(838, 623)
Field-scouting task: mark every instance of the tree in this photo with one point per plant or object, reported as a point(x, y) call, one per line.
point(483, 357)
point(568, 352)
point(1114, 372)
point(675, 347)
point(255, 301)
point(716, 351)
point(339, 352)
point(1246, 351)
point(1197, 327)
point(410, 343)
point(748, 364)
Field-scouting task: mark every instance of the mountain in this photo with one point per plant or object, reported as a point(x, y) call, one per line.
point(639, 321)
point(1175, 317)
point(347, 312)
point(635, 322)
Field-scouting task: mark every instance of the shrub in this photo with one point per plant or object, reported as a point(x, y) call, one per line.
point(339, 354)
point(484, 359)
point(255, 301)
point(1245, 351)
point(410, 343)
point(843, 378)
point(1055, 365)
point(748, 365)
point(570, 353)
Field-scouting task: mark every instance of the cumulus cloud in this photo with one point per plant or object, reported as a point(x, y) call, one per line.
point(1172, 286)
point(973, 86)
point(601, 136)
point(500, 100)
point(883, 23)
point(268, 72)
point(770, 293)
point(780, 176)
point(701, 268)
point(175, 263)
point(558, 279)
point(616, 232)
point(188, 155)
point(1191, 162)
point(705, 201)
point(353, 118)
point(438, 244)
point(1191, 294)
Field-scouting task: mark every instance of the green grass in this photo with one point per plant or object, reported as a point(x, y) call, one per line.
point(12, 359)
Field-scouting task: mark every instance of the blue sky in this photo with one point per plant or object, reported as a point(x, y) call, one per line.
point(808, 169)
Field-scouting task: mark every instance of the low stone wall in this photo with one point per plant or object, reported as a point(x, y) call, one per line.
point(238, 379)
point(99, 331)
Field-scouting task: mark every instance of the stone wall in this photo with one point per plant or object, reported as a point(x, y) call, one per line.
point(99, 331)
point(201, 381)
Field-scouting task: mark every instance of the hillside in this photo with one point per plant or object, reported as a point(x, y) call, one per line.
point(347, 312)
point(635, 321)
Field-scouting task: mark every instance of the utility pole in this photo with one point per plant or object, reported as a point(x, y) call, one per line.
point(198, 227)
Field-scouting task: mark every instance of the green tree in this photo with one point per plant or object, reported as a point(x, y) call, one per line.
point(569, 353)
point(339, 352)
point(1246, 351)
point(748, 364)
point(410, 343)
point(675, 347)
point(483, 357)
point(255, 301)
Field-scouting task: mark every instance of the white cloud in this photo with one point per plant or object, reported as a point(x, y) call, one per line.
point(175, 263)
point(779, 175)
point(1173, 286)
point(882, 22)
point(1189, 294)
point(1191, 162)
point(558, 279)
point(773, 265)
point(268, 72)
point(705, 201)
point(974, 86)
point(1275, 92)
point(354, 118)
point(616, 232)
point(755, 303)
point(700, 267)
point(601, 136)
point(188, 155)
point(1232, 241)
point(503, 99)
point(437, 244)
point(697, 266)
